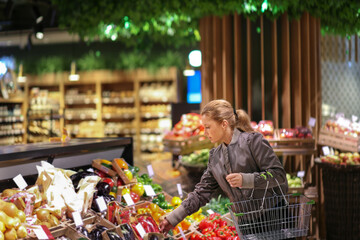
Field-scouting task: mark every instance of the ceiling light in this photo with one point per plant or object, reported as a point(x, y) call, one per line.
point(39, 31)
point(3, 68)
point(195, 58)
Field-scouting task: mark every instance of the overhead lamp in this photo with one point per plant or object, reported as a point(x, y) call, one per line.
point(21, 78)
point(73, 77)
point(195, 58)
point(3, 68)
point(39, 31)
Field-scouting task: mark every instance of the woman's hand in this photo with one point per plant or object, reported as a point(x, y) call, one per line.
point(234, 179)
point(165, 226)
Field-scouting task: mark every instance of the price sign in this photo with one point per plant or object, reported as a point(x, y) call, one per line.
point(210, 212)
point(354, 118)
point(101, 204)
point(312, 122)
point(77, 219)
point(20, 182)
point(149, 190)
point(326, 150)
point(301, 174)
point(150, 170)
point(179, 190)
point(128, 199)
point(40, 233)
point(140, 229)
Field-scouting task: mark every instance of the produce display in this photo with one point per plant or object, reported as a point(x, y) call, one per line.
point(266, 128)
point(298, 132)
point(198, 157)
point(344, 126)
point(189, 125)
point(217, 205)
point(293, 181)
point(342, 158)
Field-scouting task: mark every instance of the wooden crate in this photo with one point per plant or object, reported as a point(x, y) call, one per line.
point(339, 140)
point(188, 145)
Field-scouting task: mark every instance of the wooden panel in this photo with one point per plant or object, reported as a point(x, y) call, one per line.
point(237, 62)
point(285, 65)
point(313, 67)
point(319, 98)
point(227, 59)
point(305, 69)
point(295, 74)
point(206, 32)
point(274, 77)
point(262, 67)
point(356, 48)
point(248, 54)
point(217, 58)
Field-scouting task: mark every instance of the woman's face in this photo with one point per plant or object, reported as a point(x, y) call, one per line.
point(213, 130)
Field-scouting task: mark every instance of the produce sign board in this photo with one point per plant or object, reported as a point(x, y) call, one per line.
point(67, 232)
point(96, 163)
point(339, 141)
point(187, 145)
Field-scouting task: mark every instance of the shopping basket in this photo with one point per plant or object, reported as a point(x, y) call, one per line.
point(277, 217)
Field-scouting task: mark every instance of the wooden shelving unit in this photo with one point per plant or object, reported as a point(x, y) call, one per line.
point(110, 103)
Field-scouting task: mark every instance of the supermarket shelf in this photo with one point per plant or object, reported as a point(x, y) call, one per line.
point(11, 119)
point(112, 116)
point(151, 131)
point(45, 118)
point(9, 133)
point(293, 146)
point(81, 101)
point(14, 100)
point(117, 100)
point(121, 131)
point(155, 115)
point(82, 116)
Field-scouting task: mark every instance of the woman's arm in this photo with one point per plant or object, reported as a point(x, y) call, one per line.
point(196, 199)
point(266, 160)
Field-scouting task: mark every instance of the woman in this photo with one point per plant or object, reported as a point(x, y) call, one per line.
point(237, 165)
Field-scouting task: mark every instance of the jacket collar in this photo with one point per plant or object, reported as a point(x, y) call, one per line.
point(234, 138)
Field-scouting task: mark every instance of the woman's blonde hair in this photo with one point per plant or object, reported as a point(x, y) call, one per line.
point(220, 110)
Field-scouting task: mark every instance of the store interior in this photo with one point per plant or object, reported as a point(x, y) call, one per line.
point(112, 93)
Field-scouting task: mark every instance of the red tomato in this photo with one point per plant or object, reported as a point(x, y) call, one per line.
point(109, 181)
point(119, 182)
point(134, 197)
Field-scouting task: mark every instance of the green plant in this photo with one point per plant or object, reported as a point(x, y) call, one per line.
point(49, 65)
point(91, 61)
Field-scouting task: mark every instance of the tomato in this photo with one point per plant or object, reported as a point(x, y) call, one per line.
point(206, 224)
point(128, 174)
point(101, 174)
point(154, 207)
point(119, 182)
point(138, 188)
point(134, 197)
point(175, 201)
point(121, 163)
point(125, 191)
point(109, 181)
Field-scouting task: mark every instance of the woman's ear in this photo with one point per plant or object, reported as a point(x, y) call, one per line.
point(224, 124)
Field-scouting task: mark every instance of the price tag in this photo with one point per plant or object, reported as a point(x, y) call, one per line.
point(312, 122)
point(141, 230)
point(20, 182)
point(182, 233)
point(332, 152)
point(150, 170)
point(179, 190)
point(326, 150)
point(128, 199)
point(340, 115)
point(354, 118)
point(301, 174)
point(101, 204)
point(210, 212)
point(77, 219)
point(40, 233)
point(149, 190)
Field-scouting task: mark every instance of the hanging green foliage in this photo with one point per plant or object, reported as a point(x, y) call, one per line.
point(175, 22)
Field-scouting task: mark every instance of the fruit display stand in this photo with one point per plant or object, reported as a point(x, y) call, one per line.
point(339, 140)
point(341, 191)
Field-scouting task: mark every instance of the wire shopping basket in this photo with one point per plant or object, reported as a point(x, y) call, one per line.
point(277, 217)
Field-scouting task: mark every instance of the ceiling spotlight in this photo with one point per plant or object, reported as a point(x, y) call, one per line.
point(195, 58)
point(39, 31)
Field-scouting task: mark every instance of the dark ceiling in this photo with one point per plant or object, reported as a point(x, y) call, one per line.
point(26, 14)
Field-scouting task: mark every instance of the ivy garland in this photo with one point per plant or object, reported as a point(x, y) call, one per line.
point(175, 22)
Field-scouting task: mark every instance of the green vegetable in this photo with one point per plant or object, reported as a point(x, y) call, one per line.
point(157, 188)
point(161, 197)
point(217, 205)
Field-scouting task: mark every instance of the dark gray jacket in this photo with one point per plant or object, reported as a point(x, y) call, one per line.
point(249, 154)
